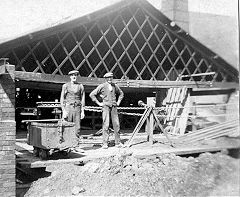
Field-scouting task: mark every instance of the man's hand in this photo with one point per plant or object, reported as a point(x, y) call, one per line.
point(82, 115)
point(100, 104)
point(64, 113)
point(118, 103)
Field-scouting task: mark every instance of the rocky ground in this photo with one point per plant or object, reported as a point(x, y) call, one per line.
point(124, 175)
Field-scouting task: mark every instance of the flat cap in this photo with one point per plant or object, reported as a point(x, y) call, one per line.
point(108, 75)
point(73, 72)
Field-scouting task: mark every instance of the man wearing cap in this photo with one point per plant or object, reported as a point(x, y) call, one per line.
point(112, 96)
point(73, 101)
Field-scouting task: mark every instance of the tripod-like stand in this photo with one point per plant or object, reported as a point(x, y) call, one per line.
point(148, 114)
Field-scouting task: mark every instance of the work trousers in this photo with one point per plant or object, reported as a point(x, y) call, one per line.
point(74, 115)
point(106, 112)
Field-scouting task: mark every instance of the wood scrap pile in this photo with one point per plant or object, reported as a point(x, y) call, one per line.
point(228, 128)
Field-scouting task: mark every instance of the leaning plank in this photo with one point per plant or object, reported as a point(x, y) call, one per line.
point(170, 102)
point(210, 133)
point(228, 128)
point(176, 100)
point(209, 130)
point(205, 130)
point(182, 114)
point(213, 135)
point(174, 105)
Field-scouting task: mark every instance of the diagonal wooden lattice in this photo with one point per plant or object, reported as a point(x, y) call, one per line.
point(131, 43)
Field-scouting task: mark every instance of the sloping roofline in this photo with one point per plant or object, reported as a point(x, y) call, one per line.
point(180, 33)
point(151, 10)
point(76, 10)
point(36, 35)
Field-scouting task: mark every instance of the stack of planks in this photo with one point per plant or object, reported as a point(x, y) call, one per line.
point(177, 109)
point(228, 128)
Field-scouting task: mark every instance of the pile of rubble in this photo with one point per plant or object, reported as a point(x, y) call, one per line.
point(124, 175)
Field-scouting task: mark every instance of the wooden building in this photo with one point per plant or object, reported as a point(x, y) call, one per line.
point(150, 56)
point(147, 52)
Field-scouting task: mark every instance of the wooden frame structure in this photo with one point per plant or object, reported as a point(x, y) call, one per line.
point(132, 39)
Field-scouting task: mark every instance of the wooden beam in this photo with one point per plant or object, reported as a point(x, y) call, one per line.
point(3, 70)
point(213, 91)
point(55, 82)
point(154, 85)
point(58, 79)
point(190, 41)
point(33, 162)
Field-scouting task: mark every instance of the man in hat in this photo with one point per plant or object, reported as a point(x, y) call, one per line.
point(111, 96)
point(73, 101)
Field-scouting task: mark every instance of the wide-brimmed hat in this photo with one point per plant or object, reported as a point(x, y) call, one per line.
point(108, 75)
point(73, 72)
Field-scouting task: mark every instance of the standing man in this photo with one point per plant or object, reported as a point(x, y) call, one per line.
point(112, 96)
point(73, 101)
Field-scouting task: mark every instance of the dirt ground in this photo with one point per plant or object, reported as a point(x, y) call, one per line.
point(124, 175)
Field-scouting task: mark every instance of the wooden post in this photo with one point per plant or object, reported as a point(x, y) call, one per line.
point(147, 113)
point(151, 101)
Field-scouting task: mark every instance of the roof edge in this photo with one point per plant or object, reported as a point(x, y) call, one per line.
point(39, 34)
point(189, 39)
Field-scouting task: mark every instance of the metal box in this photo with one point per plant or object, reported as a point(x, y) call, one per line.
point(51, 136)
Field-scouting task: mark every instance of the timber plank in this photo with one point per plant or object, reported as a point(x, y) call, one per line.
point(138, 150)
point(189, 150)
point(175, 101)
point(50, 82)
point(181, 122)
point(216, 127)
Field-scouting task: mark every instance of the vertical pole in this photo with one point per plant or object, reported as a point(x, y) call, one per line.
point(151, 101)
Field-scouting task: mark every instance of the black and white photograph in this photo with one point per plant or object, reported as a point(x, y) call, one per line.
point(119, 98)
